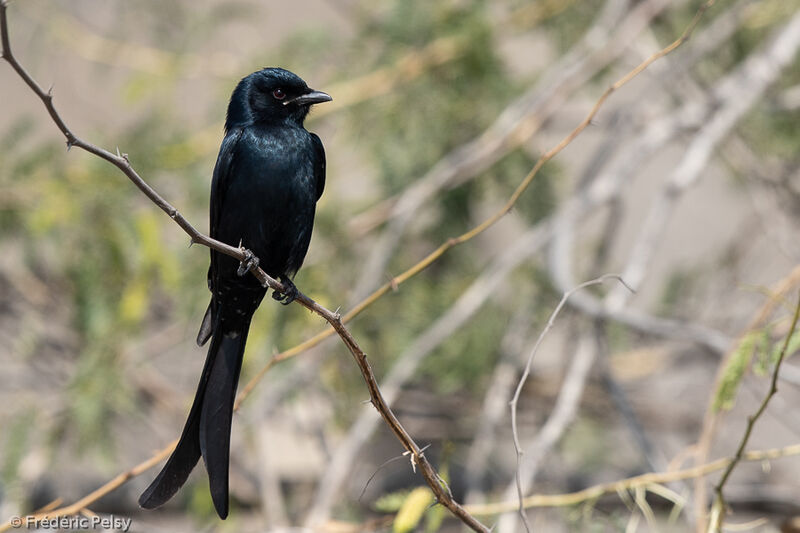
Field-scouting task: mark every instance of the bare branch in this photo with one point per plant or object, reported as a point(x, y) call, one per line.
point(561, 272)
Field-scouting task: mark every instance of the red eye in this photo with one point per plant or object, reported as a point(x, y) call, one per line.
point(279, 94)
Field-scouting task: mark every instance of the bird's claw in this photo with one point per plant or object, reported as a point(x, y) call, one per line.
point(250, 262)
point(289, 295)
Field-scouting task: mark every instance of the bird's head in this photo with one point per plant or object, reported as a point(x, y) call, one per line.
point(271, 95)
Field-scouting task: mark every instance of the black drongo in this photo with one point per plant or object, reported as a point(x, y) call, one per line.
point(270, 172)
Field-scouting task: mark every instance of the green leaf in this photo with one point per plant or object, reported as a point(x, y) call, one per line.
point(762, 363)
point(793, 345)
point(412, 510)
point(734, 372)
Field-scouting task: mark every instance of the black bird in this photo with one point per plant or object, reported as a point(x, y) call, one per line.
point(270, 172)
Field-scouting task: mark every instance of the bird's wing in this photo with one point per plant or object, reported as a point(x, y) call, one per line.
point(219, 185)
point(223, 170)
point(319, 164)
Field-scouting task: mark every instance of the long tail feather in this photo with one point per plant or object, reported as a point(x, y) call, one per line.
point(216, 416)
point(208, 428)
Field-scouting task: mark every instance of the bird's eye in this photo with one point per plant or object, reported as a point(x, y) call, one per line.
point(279, 94)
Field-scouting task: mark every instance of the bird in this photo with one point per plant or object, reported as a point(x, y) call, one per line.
point(269, 175)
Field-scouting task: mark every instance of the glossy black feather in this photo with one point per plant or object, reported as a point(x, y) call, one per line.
point(269, 174)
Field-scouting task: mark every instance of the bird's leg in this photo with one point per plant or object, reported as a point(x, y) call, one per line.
point(250, 262)
point(289, 295)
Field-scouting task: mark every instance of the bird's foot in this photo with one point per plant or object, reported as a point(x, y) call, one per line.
point(250, 262)
point(289, 295)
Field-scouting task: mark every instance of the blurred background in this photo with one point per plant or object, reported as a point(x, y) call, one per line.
point(687, 183)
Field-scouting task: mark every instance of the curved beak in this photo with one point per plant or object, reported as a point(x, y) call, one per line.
point(313, 97)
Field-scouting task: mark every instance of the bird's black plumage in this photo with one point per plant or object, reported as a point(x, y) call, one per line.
point(270, 172)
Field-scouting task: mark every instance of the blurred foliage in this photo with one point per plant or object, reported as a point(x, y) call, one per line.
point(735, 369)
point(411, 510)
point(758, 349)
point(572, 22)
point(677, 290)
point(437, 111)
point(17, 435)
point(115, 268)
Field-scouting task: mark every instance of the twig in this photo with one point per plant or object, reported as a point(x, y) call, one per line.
point(719, 508)
point(526, 372)
point(382, 466)
point(645, 480)
point(334, 319)
point(95, 495)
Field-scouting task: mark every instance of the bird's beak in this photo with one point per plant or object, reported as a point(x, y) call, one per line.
point(313, 97)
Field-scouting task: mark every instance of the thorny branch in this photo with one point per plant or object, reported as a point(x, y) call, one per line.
point(121, 161)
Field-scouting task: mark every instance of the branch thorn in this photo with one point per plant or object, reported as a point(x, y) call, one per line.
point(413, 458)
